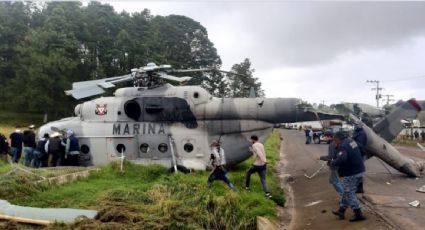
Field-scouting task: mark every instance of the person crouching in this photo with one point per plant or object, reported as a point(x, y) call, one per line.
point(218, 160)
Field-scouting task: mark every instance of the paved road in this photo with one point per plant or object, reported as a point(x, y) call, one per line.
point(385, 201)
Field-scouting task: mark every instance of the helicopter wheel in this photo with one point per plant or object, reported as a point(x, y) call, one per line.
point(180, 168)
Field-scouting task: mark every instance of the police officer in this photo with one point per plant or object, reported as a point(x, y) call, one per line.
point(360, 137)
point(351, 169)
point(333, 177)
point(218, 160)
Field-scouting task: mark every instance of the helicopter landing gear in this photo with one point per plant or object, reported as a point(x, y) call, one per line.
point(180, 168)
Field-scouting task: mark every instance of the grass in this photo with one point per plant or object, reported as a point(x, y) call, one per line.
point(406, 142)
point(148, 197)
point(11, 119)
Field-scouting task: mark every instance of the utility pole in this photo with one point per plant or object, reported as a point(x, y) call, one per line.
point(378, 90)
point(388, 100)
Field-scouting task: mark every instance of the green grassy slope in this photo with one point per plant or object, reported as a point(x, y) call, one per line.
point(148, 197)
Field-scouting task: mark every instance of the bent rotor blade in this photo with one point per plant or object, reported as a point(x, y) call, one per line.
point(85, 89)
point(84, 84)
point(81, 93)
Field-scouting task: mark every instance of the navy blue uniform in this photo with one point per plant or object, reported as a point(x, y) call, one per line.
point(351, 168)
point(349, 159)
point(360, 137)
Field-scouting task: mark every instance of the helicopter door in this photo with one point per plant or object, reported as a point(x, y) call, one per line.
point(121, 145)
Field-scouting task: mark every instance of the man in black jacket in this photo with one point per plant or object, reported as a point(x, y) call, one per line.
point(351, 169)
point(28, 140)
point(16, 144)
point(54, 145)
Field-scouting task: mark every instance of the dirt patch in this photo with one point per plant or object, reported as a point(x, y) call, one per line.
point(9, 225)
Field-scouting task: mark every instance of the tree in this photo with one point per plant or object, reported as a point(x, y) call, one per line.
point(44, 48)
point(47, 59)
point(240, 85)
point(14, 20)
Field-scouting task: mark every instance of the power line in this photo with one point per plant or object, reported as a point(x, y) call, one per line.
point(388, 100)
point(377, 89)
point(405, 79)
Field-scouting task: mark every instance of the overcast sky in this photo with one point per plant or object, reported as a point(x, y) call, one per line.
point(314, 50)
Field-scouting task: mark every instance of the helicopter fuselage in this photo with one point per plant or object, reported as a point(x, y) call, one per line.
point(148, 126)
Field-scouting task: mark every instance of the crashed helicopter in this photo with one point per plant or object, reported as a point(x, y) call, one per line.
point(154, 122)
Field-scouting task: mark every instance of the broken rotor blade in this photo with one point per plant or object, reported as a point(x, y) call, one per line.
point(89, 91)
point(85, 89)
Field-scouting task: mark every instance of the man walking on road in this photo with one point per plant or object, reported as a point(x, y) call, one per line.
point(351, 169)
point(259, 166)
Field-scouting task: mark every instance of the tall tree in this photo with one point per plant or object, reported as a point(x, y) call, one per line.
point(240, 86)
point(47, 60)
point(14, 21)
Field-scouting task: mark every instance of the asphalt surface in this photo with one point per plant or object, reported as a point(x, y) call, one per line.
point(310, 201)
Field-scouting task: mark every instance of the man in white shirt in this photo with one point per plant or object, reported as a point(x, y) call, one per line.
point(218, 161)
point(259, 166)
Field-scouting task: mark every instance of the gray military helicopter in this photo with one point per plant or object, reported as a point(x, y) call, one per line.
point(154, 122)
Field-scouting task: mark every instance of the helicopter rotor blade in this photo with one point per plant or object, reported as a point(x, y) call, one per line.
point(206, 70)
point(84, 89)
point(173, 78)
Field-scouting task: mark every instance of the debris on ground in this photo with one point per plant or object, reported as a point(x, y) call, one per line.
point(41, 216)
point(415, 203)
point(421, 189)
point(313, 203)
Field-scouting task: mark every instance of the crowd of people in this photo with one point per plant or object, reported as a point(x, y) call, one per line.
point(416, 134)
point(308, 135)
point(57, 149)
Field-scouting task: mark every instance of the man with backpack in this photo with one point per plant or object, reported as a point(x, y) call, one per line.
point(54, 147)
point(40, 152)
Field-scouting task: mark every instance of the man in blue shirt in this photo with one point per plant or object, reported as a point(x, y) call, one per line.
point(350, 165)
